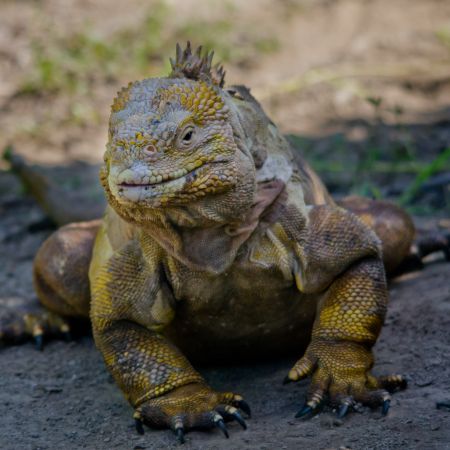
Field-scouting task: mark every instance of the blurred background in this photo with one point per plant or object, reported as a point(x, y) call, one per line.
point(361, 87)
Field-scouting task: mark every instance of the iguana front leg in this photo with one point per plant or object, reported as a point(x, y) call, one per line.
point(131, 304)
point(350, 315)
point(160, 383)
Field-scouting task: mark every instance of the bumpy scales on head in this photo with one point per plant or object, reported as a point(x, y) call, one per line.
point(170, 139)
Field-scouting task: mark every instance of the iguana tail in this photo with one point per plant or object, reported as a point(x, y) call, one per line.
point(80, 202)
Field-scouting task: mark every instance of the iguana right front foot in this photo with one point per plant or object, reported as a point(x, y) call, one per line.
point(192, 406)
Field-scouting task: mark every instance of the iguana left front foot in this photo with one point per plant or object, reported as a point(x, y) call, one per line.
point(340, 370)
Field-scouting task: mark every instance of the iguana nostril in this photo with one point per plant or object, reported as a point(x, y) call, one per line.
point(150, 149)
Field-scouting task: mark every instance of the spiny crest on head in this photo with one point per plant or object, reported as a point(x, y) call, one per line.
point(194, 65)
point(122, 98)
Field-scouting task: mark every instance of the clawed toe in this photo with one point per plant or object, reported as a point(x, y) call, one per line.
point(38, 326)
point(239, 419)
point(304, 411)
point(231, 413)
point(39, 341)
point(138, 423)
point(240, 403)
point(385, 407)
point(178, 428)
point(311, 406)
point(179, 432)
point(218, 421)
point(343, 410)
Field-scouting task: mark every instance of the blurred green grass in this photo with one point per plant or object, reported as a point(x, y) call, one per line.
point(71, 63)
point(378, 170)
point(389, 155)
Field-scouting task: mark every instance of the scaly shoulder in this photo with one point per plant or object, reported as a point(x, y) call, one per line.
point(119, 240)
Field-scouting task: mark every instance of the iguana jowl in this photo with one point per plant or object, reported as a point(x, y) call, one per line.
point(219, 241)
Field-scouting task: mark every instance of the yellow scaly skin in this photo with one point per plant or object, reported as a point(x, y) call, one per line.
point(218, 241)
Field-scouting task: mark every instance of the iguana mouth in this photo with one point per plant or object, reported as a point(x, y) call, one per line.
point(162, 179)
point(195, 180)
point(154, 180)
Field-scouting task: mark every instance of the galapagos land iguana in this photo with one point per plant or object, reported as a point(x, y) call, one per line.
point(220, 242)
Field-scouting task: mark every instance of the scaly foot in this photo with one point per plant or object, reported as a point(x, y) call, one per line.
point(191, 406)
point(340, 373)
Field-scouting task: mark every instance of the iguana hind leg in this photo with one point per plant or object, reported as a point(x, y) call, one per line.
point(391, 223)
point(404, 246)
point(61, 269)
point(61, 281)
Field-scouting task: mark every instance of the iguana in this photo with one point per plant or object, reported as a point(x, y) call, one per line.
point(219, 242)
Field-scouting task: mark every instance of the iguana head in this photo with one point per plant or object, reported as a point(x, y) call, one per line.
point(171, 141)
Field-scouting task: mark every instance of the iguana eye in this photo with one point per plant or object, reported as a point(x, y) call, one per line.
point(187, 136)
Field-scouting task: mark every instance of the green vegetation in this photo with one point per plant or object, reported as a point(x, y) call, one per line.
point(439, 164)
point(71, 64)
point(364, 169)
point(443, 36)
point(385, 154)
point(68, 63)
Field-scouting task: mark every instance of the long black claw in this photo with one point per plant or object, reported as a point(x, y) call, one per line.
point(304, 411)
point(343, 410)
point(221, 424)
point(242, 404)
point(39, 342)
point(240, 420)
point(385, 407)
point(180, 435)
point(287, 380)
point(139, 426)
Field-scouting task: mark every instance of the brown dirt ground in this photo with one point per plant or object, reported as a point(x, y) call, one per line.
point(331, 55)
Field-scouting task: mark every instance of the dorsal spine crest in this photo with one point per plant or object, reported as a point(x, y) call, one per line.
point(195, 66)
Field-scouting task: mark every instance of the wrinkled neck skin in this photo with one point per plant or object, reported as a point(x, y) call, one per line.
point(217, 210)
point(207, 234)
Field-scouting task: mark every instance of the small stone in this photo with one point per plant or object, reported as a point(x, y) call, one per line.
point(329, 421)
point(435, 426)
point(53, 389)
point(424, 382)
